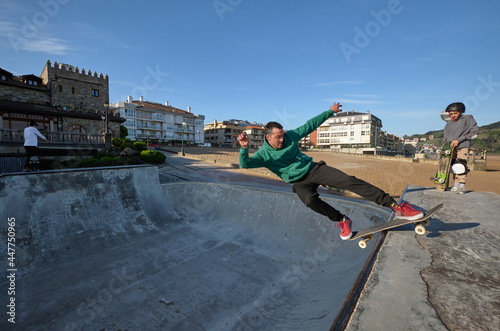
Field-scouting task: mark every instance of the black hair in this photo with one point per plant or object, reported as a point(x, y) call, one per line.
point(271, 125)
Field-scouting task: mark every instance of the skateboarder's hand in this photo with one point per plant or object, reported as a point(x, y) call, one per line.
point(454, 143)
point(336, 107)
point(243, 139)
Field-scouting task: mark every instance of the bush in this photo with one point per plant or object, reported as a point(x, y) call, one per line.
point(108, 161)
point(102, 154)
point(105, 161)
point(116, 142)
point(152, 157)
point(140, 146)
point(120, 141)
point(87, 163)
point(123, 132)
point(128, 144)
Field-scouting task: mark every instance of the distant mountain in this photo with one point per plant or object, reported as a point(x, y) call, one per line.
point(491, 126)
point(488, 138)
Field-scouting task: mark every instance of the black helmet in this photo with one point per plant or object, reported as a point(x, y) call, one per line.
point(456, 106)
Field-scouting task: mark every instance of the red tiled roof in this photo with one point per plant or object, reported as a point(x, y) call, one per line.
point(159, 106)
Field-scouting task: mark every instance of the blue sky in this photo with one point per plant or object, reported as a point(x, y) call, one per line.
point(281, 60)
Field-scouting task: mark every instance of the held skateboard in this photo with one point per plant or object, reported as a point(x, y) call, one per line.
point(420, 224)
point(446, 158)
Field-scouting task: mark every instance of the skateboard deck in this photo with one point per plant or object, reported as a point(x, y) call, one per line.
point(367, 234)
point(446, 158)
point(35, 163)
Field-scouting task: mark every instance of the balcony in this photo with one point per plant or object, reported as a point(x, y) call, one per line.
point(16, 137)
point(64, 146)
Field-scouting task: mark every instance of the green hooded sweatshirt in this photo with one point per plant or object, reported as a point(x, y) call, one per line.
point(288, 162)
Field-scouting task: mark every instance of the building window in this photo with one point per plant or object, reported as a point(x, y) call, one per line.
point(59, 88)
point(16, 121)
point(73, 90)
point(4, 77)
point(95, 92)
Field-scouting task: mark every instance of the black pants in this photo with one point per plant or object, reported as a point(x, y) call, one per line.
point(30, 152)
point(321, 174)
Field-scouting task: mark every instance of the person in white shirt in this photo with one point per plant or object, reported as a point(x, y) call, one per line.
point(31, 135)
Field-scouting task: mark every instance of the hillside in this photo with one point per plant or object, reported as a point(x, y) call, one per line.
point(488, 138)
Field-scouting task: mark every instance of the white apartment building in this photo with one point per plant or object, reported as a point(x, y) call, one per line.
point(150, 120)
point(256, 135)
point(350, 130)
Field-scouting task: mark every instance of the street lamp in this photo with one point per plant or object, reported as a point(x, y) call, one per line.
point(182, 143)
point(106, 109)
point(103, 124)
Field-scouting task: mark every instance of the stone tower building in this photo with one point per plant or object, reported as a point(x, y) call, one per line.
point(75, 90)
point(62, 100)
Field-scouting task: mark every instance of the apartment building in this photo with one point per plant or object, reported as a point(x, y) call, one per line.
point(350, 130)
point(223, 133)
point(311, 140)
point(256, 135)
point(391, 142)
point(150, 120)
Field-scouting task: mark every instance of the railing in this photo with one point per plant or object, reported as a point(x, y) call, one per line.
point(17, 136)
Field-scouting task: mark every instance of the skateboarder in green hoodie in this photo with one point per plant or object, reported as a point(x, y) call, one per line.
point(281, 155)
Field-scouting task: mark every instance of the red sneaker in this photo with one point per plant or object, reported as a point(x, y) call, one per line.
point(407, 212)
point(345, 225)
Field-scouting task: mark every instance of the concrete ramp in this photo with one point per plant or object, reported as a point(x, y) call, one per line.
point(111, 249)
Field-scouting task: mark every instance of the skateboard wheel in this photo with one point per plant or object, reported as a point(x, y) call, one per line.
point(448, 152)
point(420, 229)
point(441, 181)
point(362, 243)
point(369, 237)
point(438, 151)
point(426, 222)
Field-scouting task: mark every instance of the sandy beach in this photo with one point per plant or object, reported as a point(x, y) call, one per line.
point(391, 175)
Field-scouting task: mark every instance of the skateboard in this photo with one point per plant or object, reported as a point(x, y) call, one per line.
point(35, 163)
point(446, 158)
point(420, 224)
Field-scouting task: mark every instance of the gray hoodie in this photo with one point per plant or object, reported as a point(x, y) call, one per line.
point(464, 129)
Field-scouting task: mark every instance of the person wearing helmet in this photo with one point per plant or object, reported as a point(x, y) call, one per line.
point(460, 130)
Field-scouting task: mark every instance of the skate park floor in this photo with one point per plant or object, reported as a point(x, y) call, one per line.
point(214, 248)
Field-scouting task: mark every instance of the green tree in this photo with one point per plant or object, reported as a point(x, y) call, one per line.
point(123, 132)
